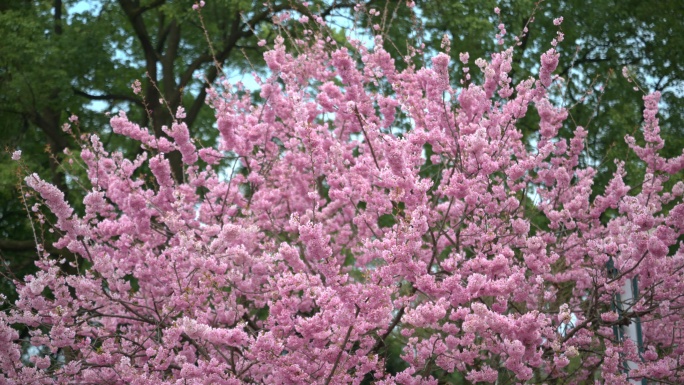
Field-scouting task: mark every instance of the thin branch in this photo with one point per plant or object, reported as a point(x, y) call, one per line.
point(339, 355)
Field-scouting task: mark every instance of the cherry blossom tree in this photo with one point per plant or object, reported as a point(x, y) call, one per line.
point(354, 208)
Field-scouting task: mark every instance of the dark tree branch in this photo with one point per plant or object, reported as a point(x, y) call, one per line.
point(13, 245)
point(162, 33)
point(134, 15)
point(145, 8)
point(19, 246)
point(171, 90)
point(116, 97)
point(48, 122)
point(186, 77)
point(58, 17)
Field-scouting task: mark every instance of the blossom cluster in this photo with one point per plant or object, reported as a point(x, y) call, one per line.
point(354, 208)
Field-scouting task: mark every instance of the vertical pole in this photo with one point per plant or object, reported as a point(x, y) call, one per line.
point(624, 302)
point(633, 329)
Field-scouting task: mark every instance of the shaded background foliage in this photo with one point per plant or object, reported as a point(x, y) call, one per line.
point(64, 57)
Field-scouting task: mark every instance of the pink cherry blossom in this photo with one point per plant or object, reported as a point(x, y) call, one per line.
point(355, 209)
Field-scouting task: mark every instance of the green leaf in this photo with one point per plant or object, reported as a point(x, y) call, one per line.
point(135, 286)
point(386, 220)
